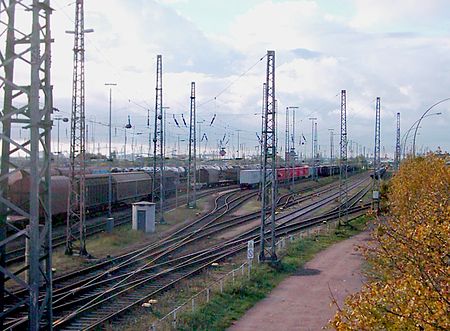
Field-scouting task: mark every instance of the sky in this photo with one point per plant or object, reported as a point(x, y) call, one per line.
point(395, 50)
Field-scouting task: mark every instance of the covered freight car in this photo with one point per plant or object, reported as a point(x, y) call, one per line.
point(230, 174)
point(208, 176)
point(249, 178)
point(131, 186)
point(19, 192)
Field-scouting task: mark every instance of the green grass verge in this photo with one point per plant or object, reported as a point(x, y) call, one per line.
point(236, 299)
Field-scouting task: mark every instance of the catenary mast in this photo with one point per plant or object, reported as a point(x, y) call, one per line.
point(343, 194)
point(76, 214)
point(158, 142)
point(192, 165)
point(268, 196)
point(27, 104)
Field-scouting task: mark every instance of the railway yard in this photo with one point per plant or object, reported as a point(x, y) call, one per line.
point(171, 169)
point(113, 286)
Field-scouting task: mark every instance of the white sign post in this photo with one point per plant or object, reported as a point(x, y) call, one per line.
point(250, 249)
point(250, 254)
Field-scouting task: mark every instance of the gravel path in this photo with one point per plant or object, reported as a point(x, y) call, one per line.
point(303, 301)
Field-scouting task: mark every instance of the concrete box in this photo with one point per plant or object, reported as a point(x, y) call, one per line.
point(143, 216)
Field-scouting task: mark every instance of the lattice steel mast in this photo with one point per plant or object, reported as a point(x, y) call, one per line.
point(27, 104)
point(287, 146)
point(192, 166)
point(331, 144)
point(316, 152)
point(313, 164)
point(267, 229)
point(343, 194)
point(76, 214)
point(292, 153)
point(397, 144)
point(261, 145)
point(376, 157)
point(158, 142)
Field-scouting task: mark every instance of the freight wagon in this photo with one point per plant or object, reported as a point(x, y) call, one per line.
point(252, 177)
point(126, 188)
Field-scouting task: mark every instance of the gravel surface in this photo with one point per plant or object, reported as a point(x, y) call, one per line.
point(303, 301)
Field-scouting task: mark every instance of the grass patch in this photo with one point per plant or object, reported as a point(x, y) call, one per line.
point(250, 206)
point(226, 307)
point(123, 239)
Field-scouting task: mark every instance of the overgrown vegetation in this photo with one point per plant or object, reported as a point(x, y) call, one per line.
point(407, 286)
point(236, 299)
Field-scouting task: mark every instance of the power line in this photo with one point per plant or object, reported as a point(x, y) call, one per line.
point(232, 83)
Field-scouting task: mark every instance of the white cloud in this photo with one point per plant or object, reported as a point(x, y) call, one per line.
point(382, 14)
point(369, 52)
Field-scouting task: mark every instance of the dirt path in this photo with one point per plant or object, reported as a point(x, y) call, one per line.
point(302, 301)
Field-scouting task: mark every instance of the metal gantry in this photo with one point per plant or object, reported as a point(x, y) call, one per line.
point(192, 165)
point(343, 165)
point(76, 213)
point(158, 142)
point(376, 158)
point(397, 144)
point(268, 136)
point(27, 105)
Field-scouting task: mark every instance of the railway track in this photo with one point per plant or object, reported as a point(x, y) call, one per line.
point(81, 300)
point(97, 225)
point(121, 265)
point(98, 311)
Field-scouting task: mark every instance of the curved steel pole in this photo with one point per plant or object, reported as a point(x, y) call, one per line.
point(418, 124)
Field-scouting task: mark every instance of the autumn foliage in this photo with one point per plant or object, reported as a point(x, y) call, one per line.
point(408, 280)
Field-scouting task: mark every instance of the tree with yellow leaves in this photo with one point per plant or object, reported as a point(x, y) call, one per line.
point(408, 283)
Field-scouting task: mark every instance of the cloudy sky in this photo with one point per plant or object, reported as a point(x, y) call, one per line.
point(397, 50)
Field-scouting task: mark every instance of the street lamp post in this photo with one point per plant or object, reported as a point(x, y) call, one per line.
point(127, 126)
point(415, 125)
point(58, 151)
point(312, 119)
point(292, 150)
point(423, 115)
point(110, 160)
